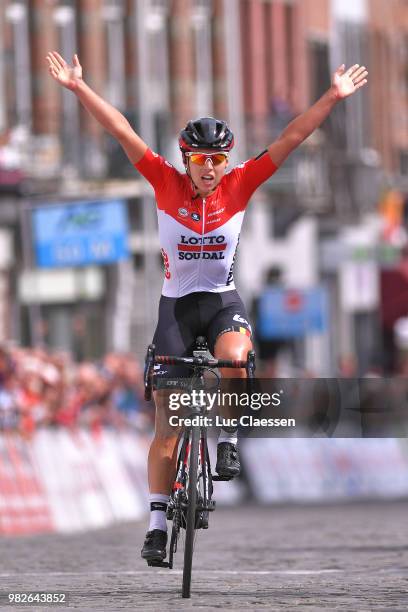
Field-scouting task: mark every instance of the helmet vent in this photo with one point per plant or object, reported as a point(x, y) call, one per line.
point(206, 133)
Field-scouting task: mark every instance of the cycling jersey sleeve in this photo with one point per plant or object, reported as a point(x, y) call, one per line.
point(252, 173)
point(155, 169)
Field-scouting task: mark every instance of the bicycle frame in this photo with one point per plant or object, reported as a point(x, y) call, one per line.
point(191, 497)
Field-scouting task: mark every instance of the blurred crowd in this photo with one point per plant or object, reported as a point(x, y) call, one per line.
point(38, 389)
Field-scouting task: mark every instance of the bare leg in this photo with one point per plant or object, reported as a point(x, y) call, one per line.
point(162, 457)
point(232, 345)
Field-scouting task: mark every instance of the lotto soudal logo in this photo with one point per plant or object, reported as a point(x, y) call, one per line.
point(183, 212)
point(203, 247)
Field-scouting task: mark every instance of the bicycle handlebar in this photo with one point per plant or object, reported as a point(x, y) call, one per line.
point(201, 361)
point(198, 361)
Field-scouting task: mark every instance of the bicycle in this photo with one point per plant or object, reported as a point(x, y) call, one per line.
point(191, 497)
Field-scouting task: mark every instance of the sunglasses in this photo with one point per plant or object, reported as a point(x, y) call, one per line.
point(201, 158)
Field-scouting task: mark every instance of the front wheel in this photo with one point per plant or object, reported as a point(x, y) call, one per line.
point(191, 510)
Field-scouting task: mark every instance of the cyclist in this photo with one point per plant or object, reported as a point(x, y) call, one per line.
point(200, 215)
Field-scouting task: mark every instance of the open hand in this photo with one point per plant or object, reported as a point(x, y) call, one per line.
point(63, 73)
point(346, 82)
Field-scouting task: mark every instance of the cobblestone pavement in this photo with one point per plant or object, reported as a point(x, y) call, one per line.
point(333, 557)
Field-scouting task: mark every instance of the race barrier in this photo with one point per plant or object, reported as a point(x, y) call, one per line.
point(70, 481)
point(24, 506)
point(66, 481)
point(325, 469)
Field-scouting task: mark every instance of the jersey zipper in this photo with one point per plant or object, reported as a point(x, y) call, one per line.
point(202, 243)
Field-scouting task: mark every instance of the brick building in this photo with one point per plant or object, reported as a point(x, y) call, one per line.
point(282, 49)
point(255, 62)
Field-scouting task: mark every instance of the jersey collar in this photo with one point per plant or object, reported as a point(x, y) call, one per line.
point(195, 196)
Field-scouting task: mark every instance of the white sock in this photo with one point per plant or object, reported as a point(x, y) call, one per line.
point(228, 436)
point(158, 507)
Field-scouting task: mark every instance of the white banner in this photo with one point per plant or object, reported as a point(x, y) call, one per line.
point(317, 469)
point(67, 481)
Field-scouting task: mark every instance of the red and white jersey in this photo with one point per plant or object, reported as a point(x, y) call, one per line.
point(199, 236)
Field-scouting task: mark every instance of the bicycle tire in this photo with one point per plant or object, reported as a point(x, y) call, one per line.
point(173, 545)
point(206, 481)
point(191, 511)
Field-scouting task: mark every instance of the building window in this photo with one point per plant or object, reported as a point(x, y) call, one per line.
point(319, 73)
point(139, 261)
point(319, 66)
point(135, 214)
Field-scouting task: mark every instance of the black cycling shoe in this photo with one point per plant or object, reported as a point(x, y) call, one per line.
point(154, 547)
point(227, 460)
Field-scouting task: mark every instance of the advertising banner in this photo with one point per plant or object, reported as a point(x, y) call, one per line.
point(80, 234)
point(319, 470)
point(292, 313)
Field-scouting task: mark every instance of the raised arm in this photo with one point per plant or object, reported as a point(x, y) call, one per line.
point(109, 117)
point(344, 83)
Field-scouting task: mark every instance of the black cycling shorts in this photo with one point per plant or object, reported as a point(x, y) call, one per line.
point(202, 313)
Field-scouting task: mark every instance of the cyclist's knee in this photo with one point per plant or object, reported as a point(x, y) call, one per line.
point(232, 345)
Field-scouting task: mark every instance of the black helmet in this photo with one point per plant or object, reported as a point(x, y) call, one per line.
point(206, 133)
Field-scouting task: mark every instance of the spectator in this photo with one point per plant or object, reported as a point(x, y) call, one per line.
point(39, 389)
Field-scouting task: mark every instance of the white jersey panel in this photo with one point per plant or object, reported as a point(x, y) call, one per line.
point(195, 261)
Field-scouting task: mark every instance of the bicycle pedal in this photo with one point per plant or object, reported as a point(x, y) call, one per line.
point(156, 563)
point(216, 477)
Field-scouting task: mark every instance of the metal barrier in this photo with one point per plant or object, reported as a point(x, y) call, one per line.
point(63, 481)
